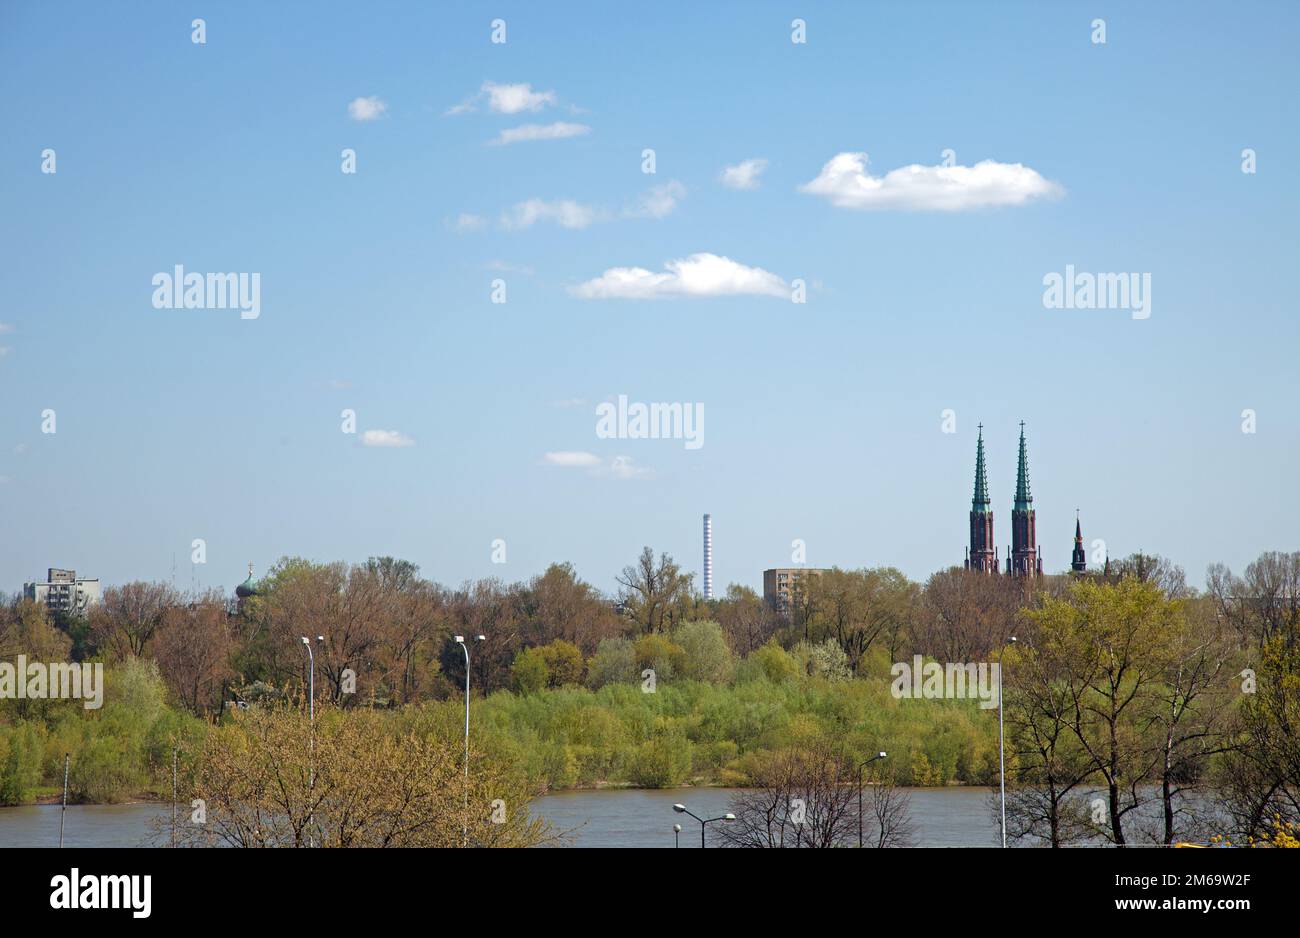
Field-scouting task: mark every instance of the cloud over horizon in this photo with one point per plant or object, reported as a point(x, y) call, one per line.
point(846, 182)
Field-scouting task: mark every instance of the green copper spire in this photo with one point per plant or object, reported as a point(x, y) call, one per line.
point(980, 503)
point(1024, 501)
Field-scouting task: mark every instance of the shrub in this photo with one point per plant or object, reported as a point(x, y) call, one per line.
point(529, 672)
point(665, 657)
point(772, 663)
point(613, 663)
point(825, 660)
point(663, 761)
point(563, 661)
point(20, 762)
point(706, 656)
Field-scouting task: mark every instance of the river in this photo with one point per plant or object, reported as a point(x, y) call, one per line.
point(943, 817)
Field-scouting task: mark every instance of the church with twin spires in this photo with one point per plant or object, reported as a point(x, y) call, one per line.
point(1024, 556)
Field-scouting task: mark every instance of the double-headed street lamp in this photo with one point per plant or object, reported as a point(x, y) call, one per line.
point(1002, 756)
point(460, 640)
point(880, 755)
point(681, 809)
point(311, 678)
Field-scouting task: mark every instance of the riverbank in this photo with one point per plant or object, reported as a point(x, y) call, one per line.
point(943, 817)
point(570, 738)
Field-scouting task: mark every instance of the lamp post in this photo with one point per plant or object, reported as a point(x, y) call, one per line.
point(1002, 755)
point(63, 812)
point(464, 833)
point(175, 757)
point(880, 755)
point(311, 719)
point(677, 835)
point(704, 822)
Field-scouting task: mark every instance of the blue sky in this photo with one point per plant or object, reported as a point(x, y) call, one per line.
point(823, 419)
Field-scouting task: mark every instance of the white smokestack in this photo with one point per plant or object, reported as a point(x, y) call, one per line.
point(708, 556)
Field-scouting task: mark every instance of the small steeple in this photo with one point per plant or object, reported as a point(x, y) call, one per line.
point(980, 503)
point(1078, 560)
point(1024, 501)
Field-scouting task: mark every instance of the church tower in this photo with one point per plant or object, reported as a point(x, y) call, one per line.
point(1024, 559)
point(1079, 560)
point(981, 555)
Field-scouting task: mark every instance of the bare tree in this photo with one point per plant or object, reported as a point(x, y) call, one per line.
point(808, 797)
point(1263, 603)
point(193, 649)
point(129, 615)
point(888, 811)
point(747, 621)
point(965, 614)
point(652, 592)
point(804, 797)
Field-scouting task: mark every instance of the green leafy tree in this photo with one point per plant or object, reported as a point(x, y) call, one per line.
point(529, 671)
point(613, 663)
point(705, 655)
point(564, 663)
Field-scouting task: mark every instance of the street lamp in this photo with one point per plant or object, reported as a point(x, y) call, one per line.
point(460, 640)
point(681, 809)
point(311, 680)
point(880, 755)
point(1002, 755)
point(677, 835)
point(311, 711)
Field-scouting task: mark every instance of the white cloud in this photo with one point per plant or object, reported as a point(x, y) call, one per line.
point(557, 131)
point(570, 459)
point(21, 448)
point(564, 212)
point(4, 350)
point(367, 109)
point(5, 480)
point(846, 183)
point(340, 384)
point(659, 202)
point(6, 327)
point(619, 467)
point(698, 275)
point(743, 175)
point(509, 268)
point(385, 438)
point(468, 221)
point(512, 99)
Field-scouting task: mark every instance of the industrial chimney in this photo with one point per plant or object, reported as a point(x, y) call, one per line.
point(708, 556)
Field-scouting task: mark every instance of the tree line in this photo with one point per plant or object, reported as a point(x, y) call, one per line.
point(1128, 693)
